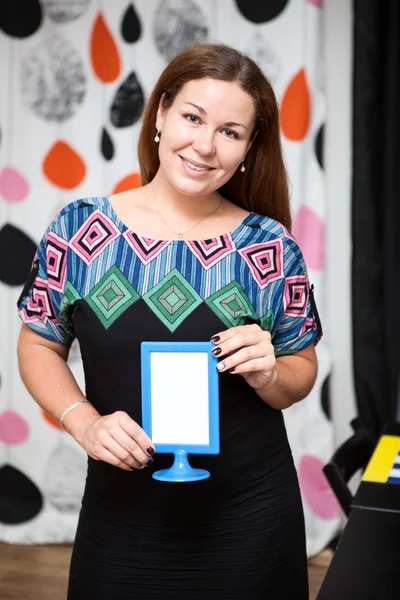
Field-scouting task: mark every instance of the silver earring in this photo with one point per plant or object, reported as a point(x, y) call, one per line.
point(157, 138)
point(242, 168)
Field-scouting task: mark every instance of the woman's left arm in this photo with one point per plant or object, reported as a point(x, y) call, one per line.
point(280, 382)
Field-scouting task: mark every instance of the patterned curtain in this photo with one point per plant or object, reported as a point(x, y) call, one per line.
point(75, 76)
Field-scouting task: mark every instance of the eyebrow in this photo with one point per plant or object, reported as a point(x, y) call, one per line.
point(228, 123)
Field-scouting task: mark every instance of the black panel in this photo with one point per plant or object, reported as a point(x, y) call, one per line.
point(365, 565)
point(376, 209)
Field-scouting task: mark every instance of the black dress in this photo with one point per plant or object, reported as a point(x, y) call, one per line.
point(240, 533)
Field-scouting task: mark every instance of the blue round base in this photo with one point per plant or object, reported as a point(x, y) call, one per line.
point(181, 471)
point(173, 477)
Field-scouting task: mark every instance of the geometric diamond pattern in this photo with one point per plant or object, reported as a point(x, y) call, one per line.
point(211, 251)
point(308, 325)
point(145, 248)
point(184, 274)
point(231, 305)
point(56, 261)
point(39, 305)
point(296, 296)
point(267, 321)
point(172, 299)
point(111, 296)
point(265, 261)
point(97, 232)
point(67, 307)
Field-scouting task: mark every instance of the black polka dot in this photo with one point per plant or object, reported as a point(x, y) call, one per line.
point(325, 398)
point(128, 104)
point(107, 147)
point(20, 499)
point(16, 254)
point(319, 146)
point(131, 29)
point(20, 18)
point(257, 11)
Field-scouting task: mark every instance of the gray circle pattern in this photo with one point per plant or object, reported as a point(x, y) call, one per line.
point(53, 83)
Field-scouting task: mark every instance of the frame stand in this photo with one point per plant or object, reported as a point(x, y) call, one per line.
point(181, 471)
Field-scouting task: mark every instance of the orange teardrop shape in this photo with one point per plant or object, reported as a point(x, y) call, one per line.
point(127, 183)
point(295, 108)
point(104, 52)
point(51, 421)
point(63, 166)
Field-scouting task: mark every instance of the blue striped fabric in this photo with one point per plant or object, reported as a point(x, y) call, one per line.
point(260, 255)
point(394, 475)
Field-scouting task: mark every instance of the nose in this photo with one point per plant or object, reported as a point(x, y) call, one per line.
point(203, 143)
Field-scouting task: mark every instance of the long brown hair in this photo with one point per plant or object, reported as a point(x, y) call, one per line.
point(263, 187)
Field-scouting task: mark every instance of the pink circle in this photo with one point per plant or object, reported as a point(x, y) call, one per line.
point(13, 428)
point(315, 488)
point(13, 186)
point(317, 3)
point(309, 231)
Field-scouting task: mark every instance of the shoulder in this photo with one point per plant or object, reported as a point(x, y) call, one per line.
point(72, 216)
point(265, 239)
point(261, 229)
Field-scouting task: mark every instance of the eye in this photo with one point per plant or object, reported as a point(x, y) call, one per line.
point(192, 119)
point(230, 133)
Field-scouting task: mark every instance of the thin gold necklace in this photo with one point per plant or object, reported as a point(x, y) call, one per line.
point(182, 233)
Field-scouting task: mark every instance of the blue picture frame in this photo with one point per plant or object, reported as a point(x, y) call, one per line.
point(181, 470)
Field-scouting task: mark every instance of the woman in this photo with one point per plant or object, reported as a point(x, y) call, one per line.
point(210, 225)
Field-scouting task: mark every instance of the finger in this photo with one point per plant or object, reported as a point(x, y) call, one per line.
point(246, 353)
point(138, 434)
point(119, 452)
point(246, 356)
point(127, 443)
point(223, 336)
point(260, 365)
point(108, 457)
point(243, 338)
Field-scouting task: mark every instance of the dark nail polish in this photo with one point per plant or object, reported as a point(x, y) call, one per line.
point(216, 351)
point(149, 462)
point(151, 451)
point(231, 370)
point(215, 339)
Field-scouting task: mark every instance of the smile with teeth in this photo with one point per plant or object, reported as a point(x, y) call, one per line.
point(194, 167)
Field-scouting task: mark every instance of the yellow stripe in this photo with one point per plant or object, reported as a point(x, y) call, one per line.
point(382, 460)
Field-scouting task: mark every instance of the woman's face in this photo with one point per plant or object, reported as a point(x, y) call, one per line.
point(205, 134)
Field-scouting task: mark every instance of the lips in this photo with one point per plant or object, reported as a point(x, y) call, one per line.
point(196, 164)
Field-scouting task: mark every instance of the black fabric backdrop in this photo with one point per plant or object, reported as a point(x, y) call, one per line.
point(376, 209)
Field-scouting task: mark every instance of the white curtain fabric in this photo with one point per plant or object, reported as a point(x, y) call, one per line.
point(73, 86)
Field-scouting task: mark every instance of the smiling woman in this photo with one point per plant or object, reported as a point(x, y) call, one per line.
point(209, 142)
point(228, 97)
point(202, 251)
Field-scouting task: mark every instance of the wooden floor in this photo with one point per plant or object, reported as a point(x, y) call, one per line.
point(40, 572)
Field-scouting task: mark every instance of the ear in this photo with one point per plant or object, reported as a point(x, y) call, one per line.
point(160, 113)
point(252, 141)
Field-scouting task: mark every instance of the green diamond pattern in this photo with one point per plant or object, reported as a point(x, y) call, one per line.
point(66, 307)
point(111, 296)
point(172, 300)
point(231, 305)
point(267, 322)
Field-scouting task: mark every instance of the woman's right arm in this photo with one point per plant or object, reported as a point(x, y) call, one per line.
point(116, 438)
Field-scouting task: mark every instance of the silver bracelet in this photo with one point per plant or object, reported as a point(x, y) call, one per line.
point(66, 411)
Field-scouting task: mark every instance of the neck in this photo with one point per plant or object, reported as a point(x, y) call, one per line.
point(174, 203)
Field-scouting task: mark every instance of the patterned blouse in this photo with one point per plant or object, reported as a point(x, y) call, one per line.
point(254, 274)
